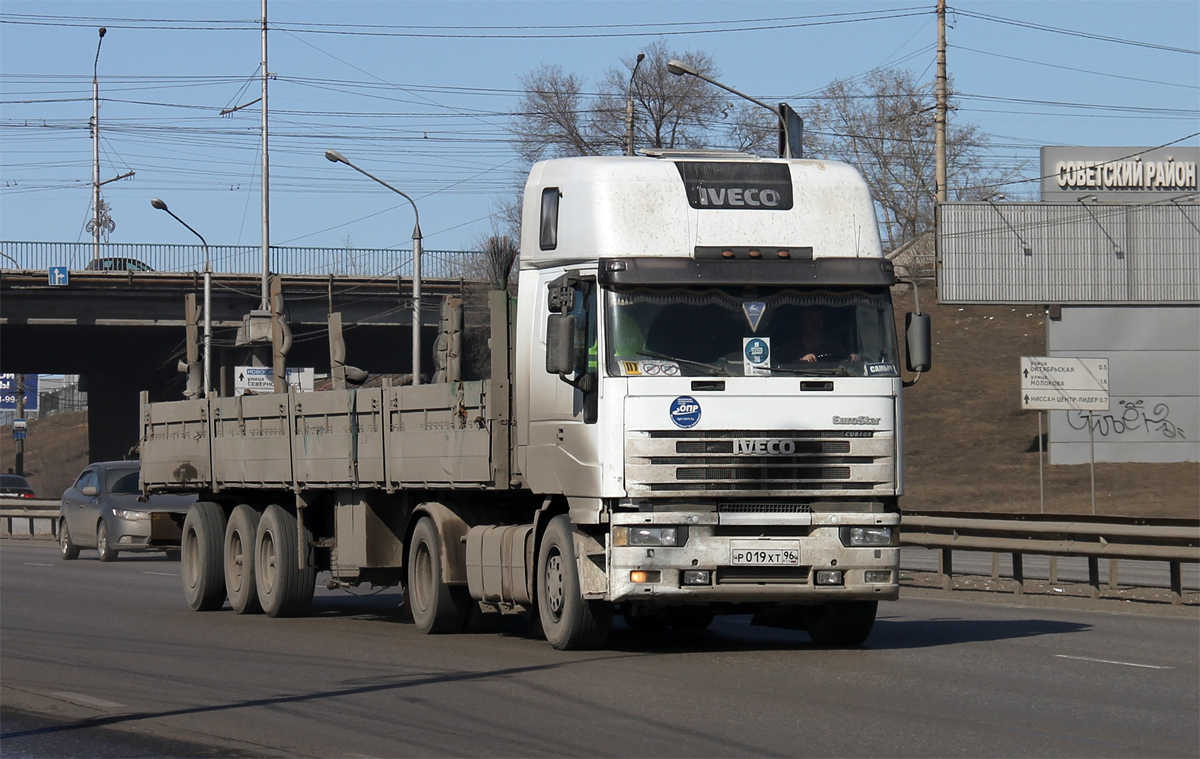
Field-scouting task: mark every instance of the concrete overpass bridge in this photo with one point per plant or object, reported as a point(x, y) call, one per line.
point(124, 330)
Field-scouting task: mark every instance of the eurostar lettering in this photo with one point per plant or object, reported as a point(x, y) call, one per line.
point(764, 447)
point(737, 197)
point(856, 420)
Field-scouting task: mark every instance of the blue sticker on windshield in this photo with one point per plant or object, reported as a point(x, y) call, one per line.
point(754, 311)
point(878, 369)
point(685, 411)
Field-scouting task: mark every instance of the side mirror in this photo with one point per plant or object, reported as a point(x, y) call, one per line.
point(917, 342)
point(90, 491)
point(560, 344)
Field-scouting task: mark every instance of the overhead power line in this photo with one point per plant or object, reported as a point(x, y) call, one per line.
point(1071, 32)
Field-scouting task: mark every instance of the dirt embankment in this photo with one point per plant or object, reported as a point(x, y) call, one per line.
point(971, 448)
point(55, 452)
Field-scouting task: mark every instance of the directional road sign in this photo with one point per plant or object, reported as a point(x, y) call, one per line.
point(258, 380)
point(59, 276)
point(1064, 383)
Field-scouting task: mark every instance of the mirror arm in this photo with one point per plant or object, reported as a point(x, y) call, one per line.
point(911, 382)
point(582, 382)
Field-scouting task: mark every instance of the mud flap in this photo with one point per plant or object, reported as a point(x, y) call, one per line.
point(590, 559)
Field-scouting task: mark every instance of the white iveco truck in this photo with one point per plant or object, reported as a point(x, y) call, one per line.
point(694, 408)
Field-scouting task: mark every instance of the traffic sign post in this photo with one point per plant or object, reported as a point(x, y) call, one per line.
point(1065, 383)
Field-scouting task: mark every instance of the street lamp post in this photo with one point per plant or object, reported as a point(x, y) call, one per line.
point(337, 157)
point(96, 222)
point(207, 297)
point(788, 147)
point(629, 106)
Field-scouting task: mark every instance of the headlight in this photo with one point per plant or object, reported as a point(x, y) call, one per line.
point(869, 537)
point(649, 536)
point(132, 516)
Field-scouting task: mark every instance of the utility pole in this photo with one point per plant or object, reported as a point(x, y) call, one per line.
point(20, 441)
point(265, 302)
point(940, 114)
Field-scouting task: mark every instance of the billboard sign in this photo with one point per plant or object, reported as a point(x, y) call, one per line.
point(1118, 175)
point(8, 392)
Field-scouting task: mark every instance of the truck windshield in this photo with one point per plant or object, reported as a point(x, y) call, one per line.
point(749, 331)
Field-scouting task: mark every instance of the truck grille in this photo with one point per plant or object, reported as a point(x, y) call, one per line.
point(759, 462)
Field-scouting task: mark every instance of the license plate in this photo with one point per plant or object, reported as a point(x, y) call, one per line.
point(765, 553)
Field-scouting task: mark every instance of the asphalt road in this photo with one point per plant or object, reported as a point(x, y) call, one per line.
point(106, 660)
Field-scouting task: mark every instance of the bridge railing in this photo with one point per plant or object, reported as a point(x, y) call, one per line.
point(244, 259)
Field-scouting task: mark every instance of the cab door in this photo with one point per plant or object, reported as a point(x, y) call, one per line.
point(563, 454)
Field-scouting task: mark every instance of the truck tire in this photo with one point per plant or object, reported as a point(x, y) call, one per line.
point(103, 549)
point(200, 556)
point(66, 546)
point(240, 583)
point(436, 607)
point(570, 622)
point(284, 589)
point(840, 623)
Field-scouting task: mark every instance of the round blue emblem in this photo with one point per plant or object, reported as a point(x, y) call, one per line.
point(758, 351)
point(685, 411)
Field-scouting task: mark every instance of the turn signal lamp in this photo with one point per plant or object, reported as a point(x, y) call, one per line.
point(645, 576)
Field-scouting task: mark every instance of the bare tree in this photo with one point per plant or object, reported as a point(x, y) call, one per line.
point(883, 124)
point(556, 118)
point(551, 121)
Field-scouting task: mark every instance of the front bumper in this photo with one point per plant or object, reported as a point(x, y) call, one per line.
point(711, 540)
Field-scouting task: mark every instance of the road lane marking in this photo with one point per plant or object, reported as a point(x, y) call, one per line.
point(35, 564)
point(80, 698)
point(163, 574)
point(1110, 661)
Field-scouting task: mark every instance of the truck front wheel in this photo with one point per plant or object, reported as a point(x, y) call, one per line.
point(840, 623)
point(570, 622)
point(284, 589)
point(200, 557)
point(436, 606)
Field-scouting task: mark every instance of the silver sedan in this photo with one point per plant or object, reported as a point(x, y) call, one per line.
point(102, 510)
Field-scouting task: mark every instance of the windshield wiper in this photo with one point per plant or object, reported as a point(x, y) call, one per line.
point(839, 372)
point(712, 368)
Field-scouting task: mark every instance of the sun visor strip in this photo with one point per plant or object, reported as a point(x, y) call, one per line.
point(861, 272)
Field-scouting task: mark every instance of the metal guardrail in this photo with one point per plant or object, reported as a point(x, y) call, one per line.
point(29, 517)
point(1172, 541)
point(246, 259)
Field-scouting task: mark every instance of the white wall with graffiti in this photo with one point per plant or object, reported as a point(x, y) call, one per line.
point(1154, 383)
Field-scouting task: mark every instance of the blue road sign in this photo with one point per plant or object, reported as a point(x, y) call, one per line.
point(59, 276)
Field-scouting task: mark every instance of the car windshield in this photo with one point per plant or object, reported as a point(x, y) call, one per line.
point(13, 481)
point(749, 331)
point(124, 482)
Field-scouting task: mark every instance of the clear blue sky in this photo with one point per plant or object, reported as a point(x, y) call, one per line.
point(410, 93)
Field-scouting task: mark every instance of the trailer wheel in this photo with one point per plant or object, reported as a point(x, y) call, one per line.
point(284, 589)
point(840, 623)
point(200, 556)
point(66, 546)
point(105, 551)
point(240, 582)
point(570, 622)
point(436, 607)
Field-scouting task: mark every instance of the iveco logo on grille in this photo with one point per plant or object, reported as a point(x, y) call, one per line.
point(764, 447)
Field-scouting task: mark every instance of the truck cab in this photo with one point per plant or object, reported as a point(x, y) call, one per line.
point(720, 400)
